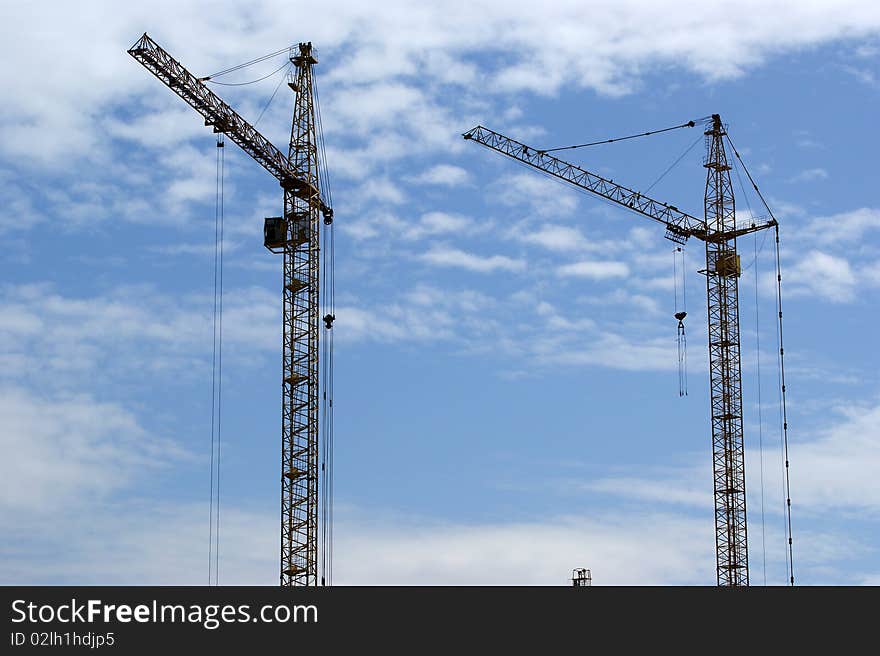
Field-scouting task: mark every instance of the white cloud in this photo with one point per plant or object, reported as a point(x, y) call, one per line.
point(842, 228)
point(649, 305)
point(833, 469)
point(443, 174)
point(595, 269)
point(686, 492)
point(829, 257)
point(377, 225)
point(364, 109)
point(371, 56)
point(805, 139)
point(438, 223)
point(393, 323)
point(154, 543)
point(521, 323)
point(373, 152)
point(453, 257)
point(820, 274)
point(643, 238)
point(161, 544)
point(19, 201)
point(380, 189)
point(165, 122)
point(70, 447)
point(837, 468)
point(86, 450)
point(49, 338)
point(425, 313)
point(430, 224)
point(607, 349)
point(867, 51)
point(203, 249)
point(530, 194)
point(138, 542)
point(864, 75)
point(810, 175)
point(552, 237)
point(529, 553)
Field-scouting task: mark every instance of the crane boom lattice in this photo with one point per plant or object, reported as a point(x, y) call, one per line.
point(679, 225)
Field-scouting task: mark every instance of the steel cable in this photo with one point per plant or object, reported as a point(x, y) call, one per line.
point(216, 372)
point(242, 84)
point(689, 124)
point(248, 63)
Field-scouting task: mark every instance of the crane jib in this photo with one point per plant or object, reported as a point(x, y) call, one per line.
point(679, 225)
point(215, 111)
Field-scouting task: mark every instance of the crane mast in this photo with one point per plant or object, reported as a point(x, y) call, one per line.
point(719, 232)
point(296, 235)
point(299, 417)
point(725, 375)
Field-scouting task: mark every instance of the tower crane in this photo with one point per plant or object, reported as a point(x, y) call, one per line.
point(295, 234)
point(719, 231)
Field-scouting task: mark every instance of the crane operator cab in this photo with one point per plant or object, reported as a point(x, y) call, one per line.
point(275, 232)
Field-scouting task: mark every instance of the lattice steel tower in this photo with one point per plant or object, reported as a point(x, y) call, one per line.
point(725, 380)
point(299, 420)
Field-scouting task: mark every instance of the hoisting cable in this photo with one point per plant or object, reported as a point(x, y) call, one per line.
point(586, 192)
point(754, 263)
point(751, 213)
point(222, 150)
point(749, 175)
point(760, 409)
point(328, 311)
point(216, 373)
point(213, 377)
point(689, 124)
point(674, 164)
point(322, 169)
point(680, 315)
point(327, 398)
point(272, 97)
point(246, 64)
point(781, 366)
point(242, 84)
point(783, 412)
point(783, 409)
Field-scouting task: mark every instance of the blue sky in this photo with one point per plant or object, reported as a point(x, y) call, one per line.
point(506, 393)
